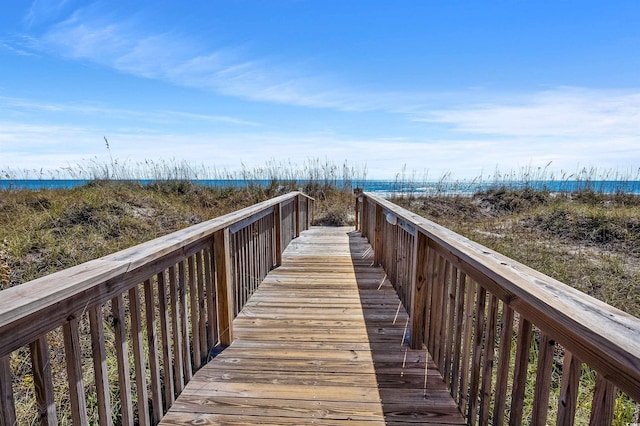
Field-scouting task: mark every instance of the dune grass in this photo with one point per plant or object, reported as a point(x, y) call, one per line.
point(586, 239)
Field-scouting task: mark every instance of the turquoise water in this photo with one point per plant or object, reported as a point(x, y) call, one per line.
point(383, 187)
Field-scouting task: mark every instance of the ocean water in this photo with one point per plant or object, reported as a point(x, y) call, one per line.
point(380, 187)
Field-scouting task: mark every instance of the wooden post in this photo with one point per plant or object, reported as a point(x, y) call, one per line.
point(224, 284)
point(41, 367)
point(277, 223)
point(357, 205)
point(296, 209)
point(364, 220)
point(377, 240)
point(419, 289)
point(7, 404)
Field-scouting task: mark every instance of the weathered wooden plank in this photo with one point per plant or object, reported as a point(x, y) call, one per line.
point(571, 369)
point(543, 380)
point(167, 364)
point(523, 347)
point(122, 355)
point(182, 290)
point(224, 286)
point(476, 361)
point(195, 315)
point(212, 315)
point(73, 358)
point(488, 358)
point(596, 332)
point(7, 403)
point(154, 358)
point(202, 306)
point(419, 276)
point(604, 398)
point(176, 330)
point(301, 359)
point(94, 283)
point(138, 357)
point(99, 354)
point(42, 381)
point(504, 358)
point(457, 337)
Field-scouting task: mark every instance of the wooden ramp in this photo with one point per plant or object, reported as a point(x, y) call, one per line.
point(320, 342)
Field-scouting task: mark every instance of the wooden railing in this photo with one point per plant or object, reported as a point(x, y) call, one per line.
point(505, 338)
point(194, 282)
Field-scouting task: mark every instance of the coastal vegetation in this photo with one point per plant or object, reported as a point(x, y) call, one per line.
point(587, 239)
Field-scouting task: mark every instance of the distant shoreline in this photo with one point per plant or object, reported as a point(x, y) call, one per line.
point(381, 187)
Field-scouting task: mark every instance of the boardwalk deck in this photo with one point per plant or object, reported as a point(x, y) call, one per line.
point(320, 342)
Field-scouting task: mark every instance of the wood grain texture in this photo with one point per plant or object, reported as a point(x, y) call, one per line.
point(99, 354)
point(152, 344)
point(41, 305)
point(42, 381)
point(319, 342)
point(602, 336)
point(73, 358)
point(7, 403)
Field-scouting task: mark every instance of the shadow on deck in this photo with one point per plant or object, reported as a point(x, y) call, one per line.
point(411, 388)
point(319, 342)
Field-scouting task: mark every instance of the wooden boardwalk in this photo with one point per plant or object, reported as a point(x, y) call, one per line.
point(320, 342)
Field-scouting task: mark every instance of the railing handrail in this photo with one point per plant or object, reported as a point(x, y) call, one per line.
point(77, 285)
point(602, 336)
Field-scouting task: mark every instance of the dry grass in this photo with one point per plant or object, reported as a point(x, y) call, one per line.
point(49, 230)
point(587, 240)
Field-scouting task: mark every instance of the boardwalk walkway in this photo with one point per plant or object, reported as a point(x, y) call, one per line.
point(320, 342)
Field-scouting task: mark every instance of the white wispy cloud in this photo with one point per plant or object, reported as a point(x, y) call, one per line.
point(124, 45)
point(86, 109)
point(558, 113)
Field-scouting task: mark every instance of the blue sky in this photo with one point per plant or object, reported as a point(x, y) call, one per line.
point(429, 86)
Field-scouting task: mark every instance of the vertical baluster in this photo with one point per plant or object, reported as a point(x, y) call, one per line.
point(604, 398)
point(543, 380)
point(73, 357)
point(504, 358)
point(43, 384)
point(450, 328)
point(465, 358)
point(166, 341)
point(223, 285)
point(277, 221)
point(154, 358)
point(430, 284)
point(122, 354)
point(100, 365)
point(193, 298)
point(378, 235)
point(440, 292)
point(242, 269)
point(520, 372)
point(420, 290)
point(7, 403)
point(571, 369)
point(212, 335)
point(138, 356)
point(489, 355)
point(481, 301)
point(202, 317)
point(296, 209)
point(457, 337)
point(184, 318)
point(178, 364)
